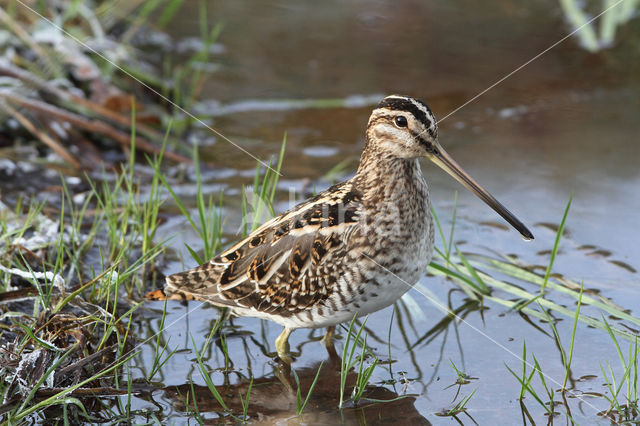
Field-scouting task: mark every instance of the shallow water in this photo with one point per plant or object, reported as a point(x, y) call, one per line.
point(565, 124)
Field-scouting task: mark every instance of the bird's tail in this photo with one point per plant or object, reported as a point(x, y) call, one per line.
point(198, 283)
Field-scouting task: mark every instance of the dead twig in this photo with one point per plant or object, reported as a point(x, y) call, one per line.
point(84, 361)
point(44, 137)
point(92, 125)
point(101, 391)
point(73, 100)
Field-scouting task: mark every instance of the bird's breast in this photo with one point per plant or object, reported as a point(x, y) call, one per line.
point(399, 229)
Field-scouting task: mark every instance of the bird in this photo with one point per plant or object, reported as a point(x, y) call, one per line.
point(350, 250)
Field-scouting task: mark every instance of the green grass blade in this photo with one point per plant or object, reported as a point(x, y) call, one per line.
point(573, 337)
point(556, 244)
point(207, 378)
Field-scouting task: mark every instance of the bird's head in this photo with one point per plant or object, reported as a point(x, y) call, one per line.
point(405, 128)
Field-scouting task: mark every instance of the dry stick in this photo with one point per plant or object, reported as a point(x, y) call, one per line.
point(45, 138)
point(90, 153)
point(84, 361)
point(83, 157)
point(92, 125)
point(101, 391)
point(18, 295)
point(44, 392)
point(63, 95)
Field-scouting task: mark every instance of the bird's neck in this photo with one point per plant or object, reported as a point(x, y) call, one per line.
point(381, 176)
point(395, 204)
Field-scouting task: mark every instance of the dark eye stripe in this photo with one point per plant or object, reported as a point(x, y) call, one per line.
point(404, 104)
point(431, 132)
point(387, 117)
point(427, 144)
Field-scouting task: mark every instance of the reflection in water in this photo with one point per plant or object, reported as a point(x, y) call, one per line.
point(440, 329)
point(273, 399)
point(389, 396)
point(614, 14)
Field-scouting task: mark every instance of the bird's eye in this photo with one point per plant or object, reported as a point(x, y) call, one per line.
point(401, 121)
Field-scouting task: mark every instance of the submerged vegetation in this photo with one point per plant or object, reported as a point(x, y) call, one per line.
point(84, 244)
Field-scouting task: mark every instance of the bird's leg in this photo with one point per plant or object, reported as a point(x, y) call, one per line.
point(328, 336)
point(328, 343)
point(282, 345)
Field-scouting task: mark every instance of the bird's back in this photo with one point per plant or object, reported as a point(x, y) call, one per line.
point(286, 266)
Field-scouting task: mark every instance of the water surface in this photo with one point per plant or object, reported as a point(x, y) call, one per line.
point(564, 125)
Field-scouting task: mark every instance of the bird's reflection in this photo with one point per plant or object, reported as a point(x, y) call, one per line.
point(275, 397)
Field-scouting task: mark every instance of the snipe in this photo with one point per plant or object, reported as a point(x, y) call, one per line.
point(352, 249)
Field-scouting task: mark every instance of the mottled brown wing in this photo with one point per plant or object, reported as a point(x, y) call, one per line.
point(285, 265)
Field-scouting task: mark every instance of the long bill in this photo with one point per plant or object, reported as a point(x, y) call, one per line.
point(448, 164)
